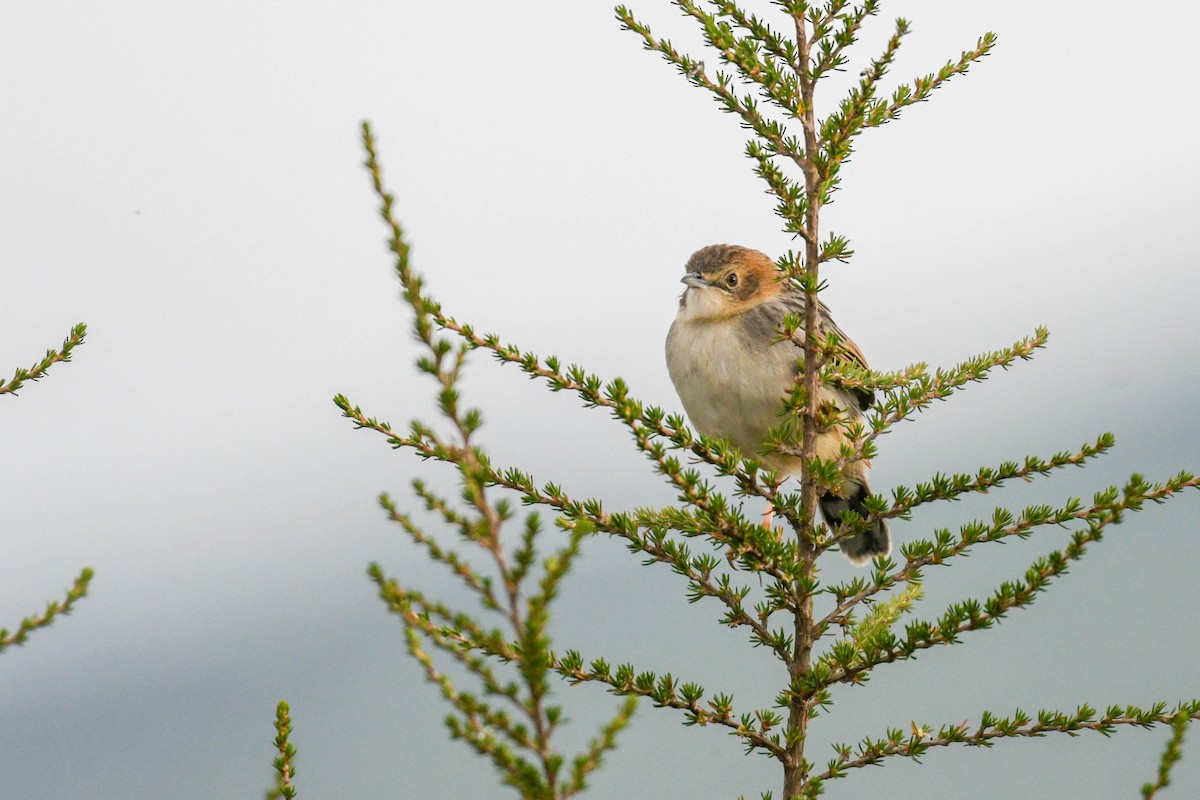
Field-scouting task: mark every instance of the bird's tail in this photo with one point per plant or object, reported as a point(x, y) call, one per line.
point(862, 547)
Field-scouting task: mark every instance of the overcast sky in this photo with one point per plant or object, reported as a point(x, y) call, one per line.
point(186, 178)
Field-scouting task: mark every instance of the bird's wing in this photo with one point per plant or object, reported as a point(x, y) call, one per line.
point(847, 348)
point(849, 351)
point(793, 302)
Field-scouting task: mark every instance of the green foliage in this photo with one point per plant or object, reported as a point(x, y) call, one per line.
point(918, 739)
point(1171, 753)
point(53, 609)
point(513, 722)
point(52, 357)
point(79, 588)
point(284, 763)
point(768, 81)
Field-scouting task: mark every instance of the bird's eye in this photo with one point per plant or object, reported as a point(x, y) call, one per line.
point(732, 280)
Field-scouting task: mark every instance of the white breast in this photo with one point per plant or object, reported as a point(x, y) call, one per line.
point(734, 391)
point(727, 391)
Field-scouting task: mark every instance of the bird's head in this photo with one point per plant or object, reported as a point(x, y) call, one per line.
point(724, 280)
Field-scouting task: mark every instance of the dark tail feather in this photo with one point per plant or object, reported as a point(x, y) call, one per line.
point(860, 548)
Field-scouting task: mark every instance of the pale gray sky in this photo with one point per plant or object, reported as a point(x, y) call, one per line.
point(186, 179)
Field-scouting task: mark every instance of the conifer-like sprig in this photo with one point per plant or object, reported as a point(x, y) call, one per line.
point(284, 763)
point(1171, 754)
point(52, 357)
point(54, 609)
point(784, 71)
point(1108, 508)
point(914, 741)
point(79, 588)
point(512, 720)
point(754, 728)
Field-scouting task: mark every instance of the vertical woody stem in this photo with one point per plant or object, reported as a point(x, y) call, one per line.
point(795, 772)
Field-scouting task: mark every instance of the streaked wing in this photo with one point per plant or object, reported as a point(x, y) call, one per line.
point(793, 303)
point(848, 349)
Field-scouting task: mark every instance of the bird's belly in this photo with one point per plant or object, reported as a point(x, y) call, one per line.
point(727, 391)
point(732, 393)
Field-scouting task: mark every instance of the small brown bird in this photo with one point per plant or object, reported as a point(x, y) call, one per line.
point(732, 375)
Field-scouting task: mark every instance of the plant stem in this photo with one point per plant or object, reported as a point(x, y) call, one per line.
point(794, 770)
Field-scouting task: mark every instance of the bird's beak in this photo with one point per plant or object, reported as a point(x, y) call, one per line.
point(694, 281)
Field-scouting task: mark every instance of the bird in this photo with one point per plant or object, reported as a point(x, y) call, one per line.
point(732, 373)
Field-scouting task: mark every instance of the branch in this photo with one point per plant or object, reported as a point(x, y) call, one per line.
point(793, 202)
point(479, 720)
point(775, 77)
point(476, 582)
point(912, 390)
point(840, 127)
point(488, 730)
point(779, 46)
point(745, 107)
point(943, 487)
point(830, 47)
point(38, 370)
point(284, 762)
point(1107, 508)
point(54, 609)
point(666, 692)
point(1171, 754)
point(923, 87)
point(756, 547)
point(850, 665)
point(458, 634)
point(899, 743)
point(587, 762)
